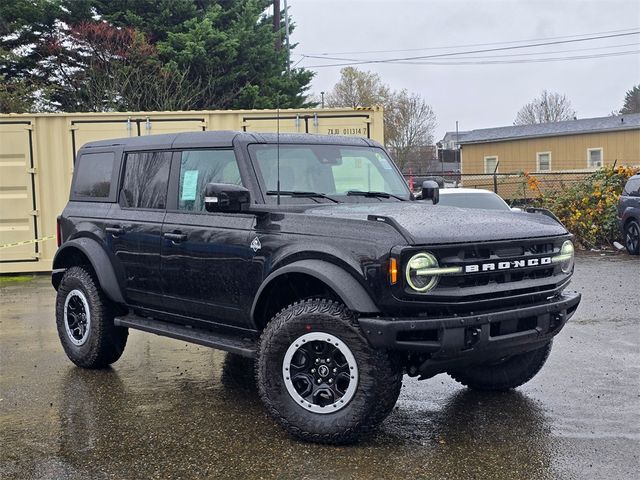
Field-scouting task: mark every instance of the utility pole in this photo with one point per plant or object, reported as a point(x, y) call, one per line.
point(286, 34)
point(322, 95)
point(276, 23)
point(457, 144)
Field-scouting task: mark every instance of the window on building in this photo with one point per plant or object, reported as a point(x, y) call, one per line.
point(146, 177)
point(199, 167)
point(594, 157)
point(490, 164)
point(544, 161)
point(93, 178)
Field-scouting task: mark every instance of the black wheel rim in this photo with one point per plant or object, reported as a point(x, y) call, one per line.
point(320, 372)
point(77, 318)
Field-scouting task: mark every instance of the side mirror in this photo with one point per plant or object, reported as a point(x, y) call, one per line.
point(226, 197)
point(430, 191)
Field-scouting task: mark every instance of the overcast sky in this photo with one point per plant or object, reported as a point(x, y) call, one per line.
point(478, 96)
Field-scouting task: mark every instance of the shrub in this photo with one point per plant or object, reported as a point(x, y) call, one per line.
point(588, 208)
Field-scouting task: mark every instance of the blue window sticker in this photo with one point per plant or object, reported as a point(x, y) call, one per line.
point(189, 185)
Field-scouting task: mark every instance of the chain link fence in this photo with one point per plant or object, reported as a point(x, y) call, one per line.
point(515, 188)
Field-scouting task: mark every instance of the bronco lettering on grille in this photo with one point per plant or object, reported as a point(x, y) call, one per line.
point(491, 266)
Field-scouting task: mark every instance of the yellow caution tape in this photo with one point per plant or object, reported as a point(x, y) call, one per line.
point(27, 242)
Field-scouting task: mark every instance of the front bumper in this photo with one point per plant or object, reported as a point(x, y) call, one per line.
point(444, 343)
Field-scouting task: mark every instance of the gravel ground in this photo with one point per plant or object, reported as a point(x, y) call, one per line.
point(172, 410)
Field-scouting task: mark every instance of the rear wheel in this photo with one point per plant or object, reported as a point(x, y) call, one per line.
point(319, 377)
point(84, 317)
point(508, 373)
point(632, 237)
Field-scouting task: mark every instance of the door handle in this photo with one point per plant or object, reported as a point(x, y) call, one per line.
point(176, 237)
point(115, 230)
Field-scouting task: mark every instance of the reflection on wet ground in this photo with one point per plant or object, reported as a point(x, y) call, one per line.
point(171, 410)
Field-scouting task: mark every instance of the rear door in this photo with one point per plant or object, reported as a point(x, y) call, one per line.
point(205, 256)
point(135, 225)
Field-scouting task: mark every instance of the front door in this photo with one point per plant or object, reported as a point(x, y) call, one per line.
point(135, 226)
point(205, 256)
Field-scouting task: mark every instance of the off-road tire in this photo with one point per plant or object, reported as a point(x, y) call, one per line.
point(379, 376)
point(105, 342)
point(510, 373)
point(631, 237)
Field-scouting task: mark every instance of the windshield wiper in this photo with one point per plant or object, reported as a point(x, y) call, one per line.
point(360, 193)
point(302, 194)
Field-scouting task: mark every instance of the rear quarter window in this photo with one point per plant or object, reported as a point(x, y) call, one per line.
point(94, 177)
point(632, 188)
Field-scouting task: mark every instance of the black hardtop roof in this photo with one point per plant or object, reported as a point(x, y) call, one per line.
point(222, 138)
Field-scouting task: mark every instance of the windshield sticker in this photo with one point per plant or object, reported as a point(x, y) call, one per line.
point(189, 185)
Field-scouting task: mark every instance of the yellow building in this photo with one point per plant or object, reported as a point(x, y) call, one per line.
point(569, 146)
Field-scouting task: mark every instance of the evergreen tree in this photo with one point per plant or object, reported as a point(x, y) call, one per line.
point(75, 55)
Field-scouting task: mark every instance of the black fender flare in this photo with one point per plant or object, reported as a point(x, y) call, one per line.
point(352, 293)
point(99, 261)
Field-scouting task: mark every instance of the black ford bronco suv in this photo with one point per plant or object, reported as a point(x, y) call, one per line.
point(310, 254)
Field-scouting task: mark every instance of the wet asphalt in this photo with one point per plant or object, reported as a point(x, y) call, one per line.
point(172, 410)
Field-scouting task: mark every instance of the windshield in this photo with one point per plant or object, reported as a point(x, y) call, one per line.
point(487, 201)
point(331, 170)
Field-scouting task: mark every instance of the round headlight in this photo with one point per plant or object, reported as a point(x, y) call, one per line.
point(566, 257)
point(415, 278)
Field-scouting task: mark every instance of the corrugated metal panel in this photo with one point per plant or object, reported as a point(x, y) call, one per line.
point(567, 152)
point(17, 202)
point(172, 125)
point(48, 143)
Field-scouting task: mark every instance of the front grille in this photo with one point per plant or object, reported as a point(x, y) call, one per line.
point(499, 283)
point(481, 279)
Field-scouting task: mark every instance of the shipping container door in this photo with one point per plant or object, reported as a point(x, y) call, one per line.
point(269, 124)
point(17, 200)
point(357, 125)
point(83, 131)
point(154, 126)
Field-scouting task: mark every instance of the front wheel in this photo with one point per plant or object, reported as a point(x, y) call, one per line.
point(632, 237)
point(508, 373)
point(319, 377)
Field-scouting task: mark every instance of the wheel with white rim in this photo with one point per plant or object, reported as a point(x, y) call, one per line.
point(320, 378)
point(320, 372)
point(84, 317)
point(77, 317)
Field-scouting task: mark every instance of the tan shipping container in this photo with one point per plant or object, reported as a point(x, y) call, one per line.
point(37, 153)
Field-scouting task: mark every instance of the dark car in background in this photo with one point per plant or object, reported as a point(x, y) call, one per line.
point(629, 215)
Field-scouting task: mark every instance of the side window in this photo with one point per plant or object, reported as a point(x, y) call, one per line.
point(199, 167)
point(594, 157)
point(490, 164)
point(632, 188)
point(93, 176)
point(544, 161)
point(146, 176)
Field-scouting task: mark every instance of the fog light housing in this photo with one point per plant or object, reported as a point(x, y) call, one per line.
point(415, 274)
point(566, 258)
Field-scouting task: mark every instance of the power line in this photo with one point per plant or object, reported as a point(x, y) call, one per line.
point(349, 62)
point(553, 52)
point(317, 55)
point(524, 60)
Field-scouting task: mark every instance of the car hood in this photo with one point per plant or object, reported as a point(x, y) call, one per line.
point(424, 223)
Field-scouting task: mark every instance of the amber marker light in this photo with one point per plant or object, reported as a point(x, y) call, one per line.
point(393, 271)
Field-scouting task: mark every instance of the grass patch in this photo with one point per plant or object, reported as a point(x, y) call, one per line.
point(9, 279)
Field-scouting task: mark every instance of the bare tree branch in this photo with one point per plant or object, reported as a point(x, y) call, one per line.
point(549, 107)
